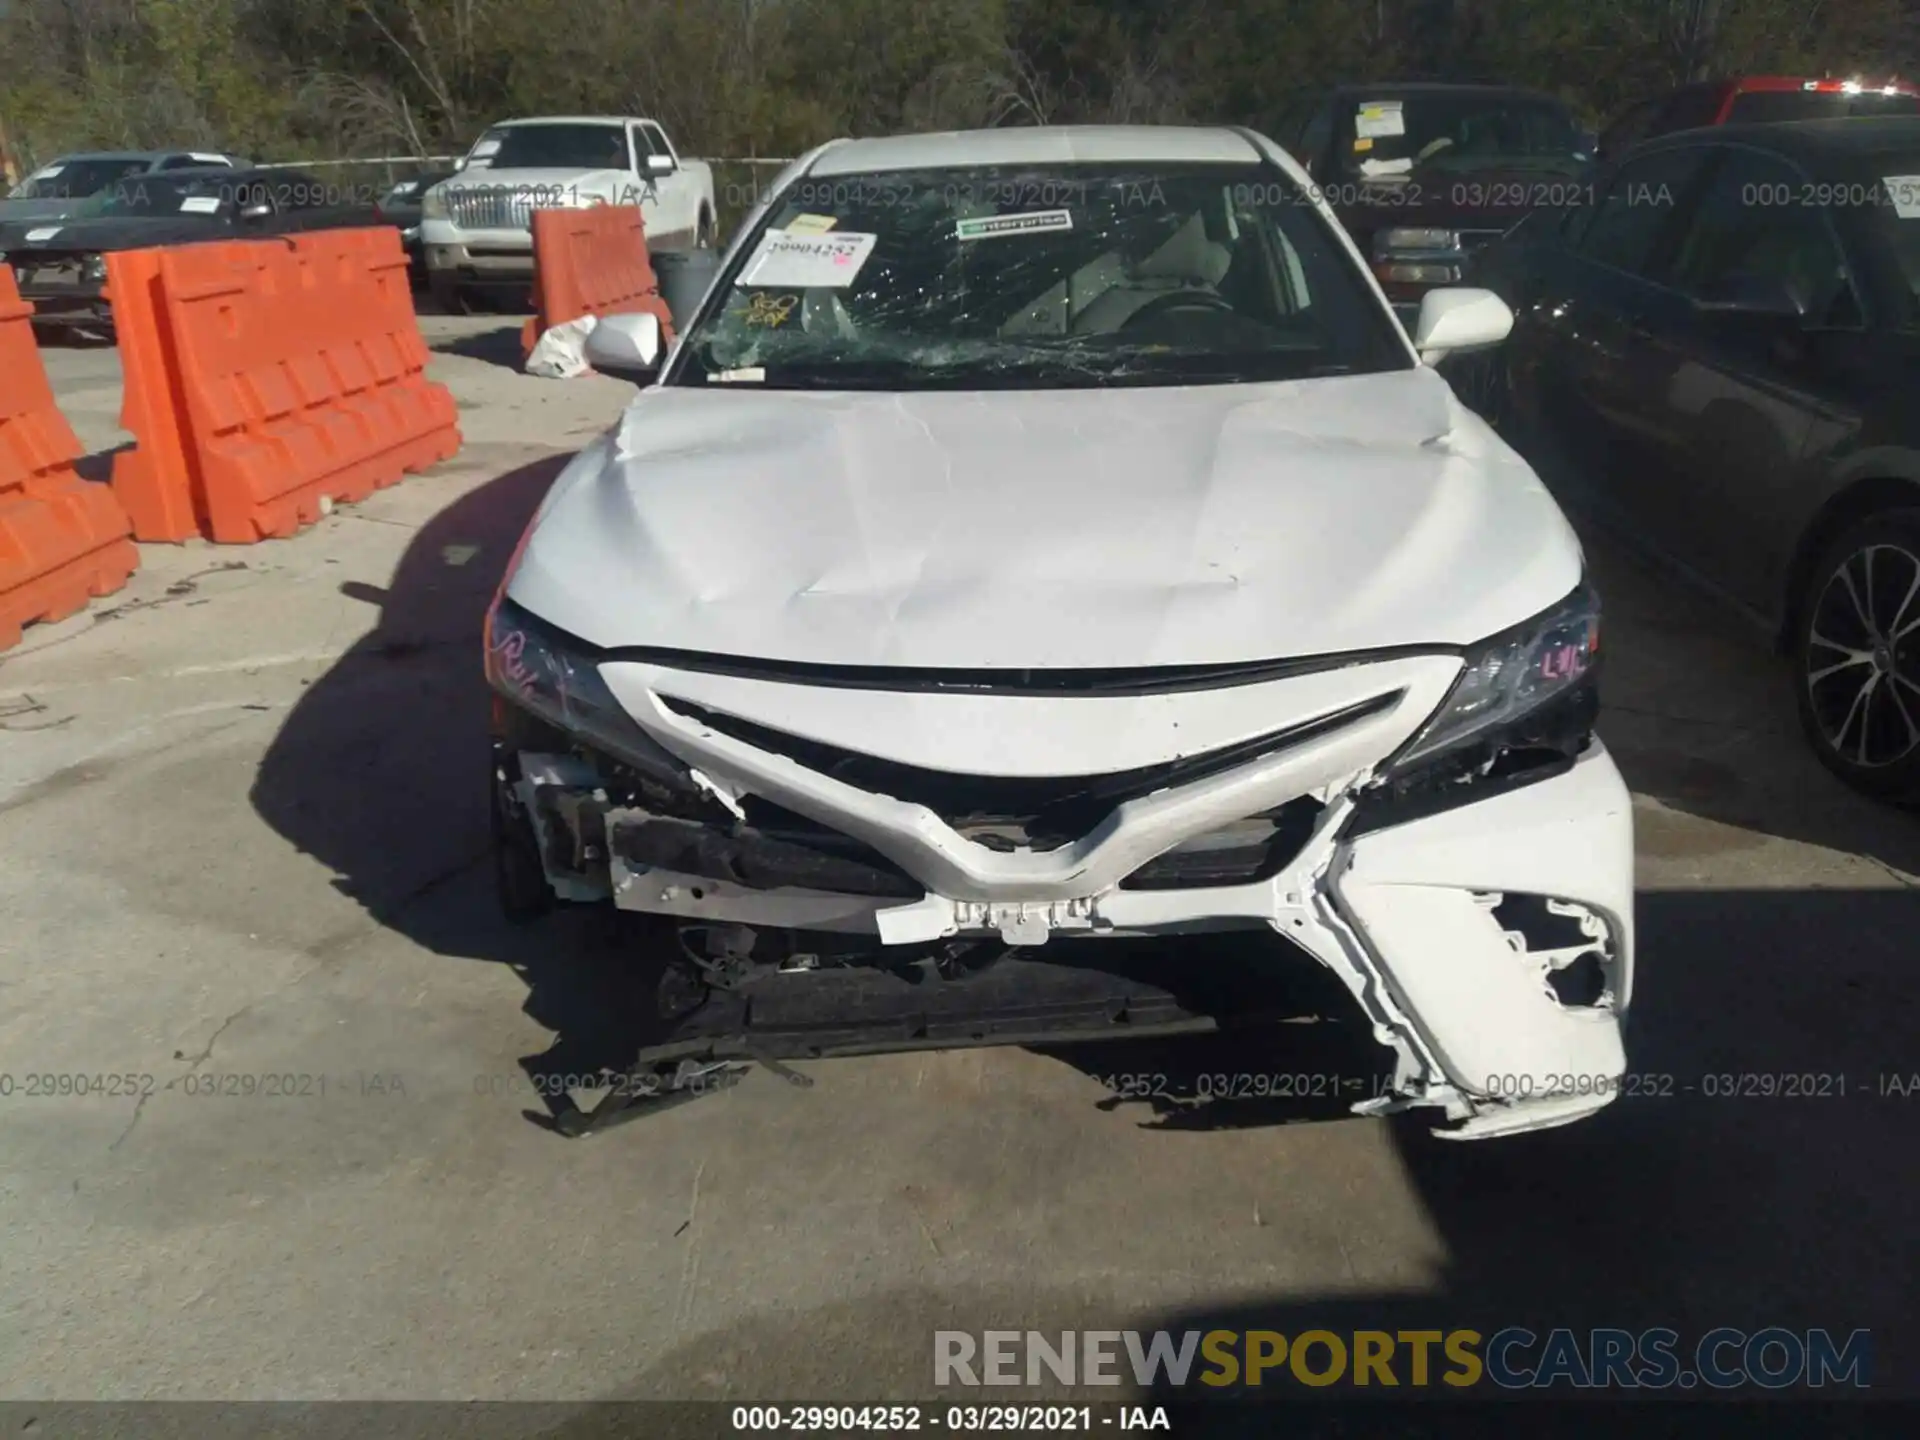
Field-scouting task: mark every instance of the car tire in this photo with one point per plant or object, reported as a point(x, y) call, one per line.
point(1857, 655)
point(448, 297)
point(519, 879)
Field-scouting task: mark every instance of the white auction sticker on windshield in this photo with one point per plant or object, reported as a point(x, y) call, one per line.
point(37, 237)
point(46, 172)
point(1380, 119)
point(805, 262)
point(1905, 192)
point(996, 225)
point(200, 205)
point(1386, 169)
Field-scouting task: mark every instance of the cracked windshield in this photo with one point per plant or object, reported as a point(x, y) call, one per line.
point(1062, 277)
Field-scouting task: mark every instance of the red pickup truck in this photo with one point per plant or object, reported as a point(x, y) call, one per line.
point(1755, 99)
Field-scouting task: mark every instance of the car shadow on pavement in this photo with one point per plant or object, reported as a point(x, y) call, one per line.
point(381, 773)
point(1758, 1174)
point(497, 346)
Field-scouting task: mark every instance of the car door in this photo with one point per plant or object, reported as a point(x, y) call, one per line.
point(1743, 392)
point(1589, 317)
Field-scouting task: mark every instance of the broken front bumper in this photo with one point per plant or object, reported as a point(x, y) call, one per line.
point(1487, 940)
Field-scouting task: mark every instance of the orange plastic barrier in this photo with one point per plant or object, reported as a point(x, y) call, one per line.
point(591, 262)
point(152, 479)
point(270, 379)
point(62, 540)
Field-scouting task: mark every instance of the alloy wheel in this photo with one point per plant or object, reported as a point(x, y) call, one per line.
point(1862, 657)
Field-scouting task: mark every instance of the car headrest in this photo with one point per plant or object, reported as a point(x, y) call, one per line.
point(1187, 256)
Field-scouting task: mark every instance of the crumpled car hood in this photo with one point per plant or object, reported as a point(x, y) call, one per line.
point(1060, 529)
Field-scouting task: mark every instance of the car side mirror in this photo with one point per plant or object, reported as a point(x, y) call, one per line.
point(1458, 318)
point(625, 346)
point(1760, 296)
point(660, 165)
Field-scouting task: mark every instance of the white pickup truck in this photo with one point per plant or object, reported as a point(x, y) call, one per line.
point(476, 226)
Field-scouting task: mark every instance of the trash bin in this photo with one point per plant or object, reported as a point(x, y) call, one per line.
point(685, 276)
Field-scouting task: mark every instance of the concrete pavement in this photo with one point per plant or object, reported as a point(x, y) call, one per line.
point(243, 814)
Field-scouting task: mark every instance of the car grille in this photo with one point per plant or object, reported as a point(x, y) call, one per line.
point(1473, 240)
point(38, 269)
point(1005, 813)
point(481, 208)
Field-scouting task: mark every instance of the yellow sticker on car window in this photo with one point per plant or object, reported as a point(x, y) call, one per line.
point(1362, 146)
point(764, 311)
point(810, 224)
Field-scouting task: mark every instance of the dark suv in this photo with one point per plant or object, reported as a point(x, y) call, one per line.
point(1424, 174)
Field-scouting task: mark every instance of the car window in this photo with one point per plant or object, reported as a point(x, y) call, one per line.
point(74, 179)
point(296, 190)
point(1378, 134)
point(1753, 223)
point(1067, 276)
point(1628, 129)
point(245, 192)
point(656, 139)
point(1314, 136)
point(1892, 228)
point(154, 196)
point(561, 146)
point(1689, 108)
point(1624, 229)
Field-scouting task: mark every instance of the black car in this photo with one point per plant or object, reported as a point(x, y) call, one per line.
point(1424, 174)
point(400, 207)
point(1728, 339)
point(60, 265)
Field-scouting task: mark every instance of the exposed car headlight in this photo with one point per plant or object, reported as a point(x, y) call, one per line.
point(93, 269)
point(1413, 240)
point(433, 205)
point(1513, 675)
point(539, 669)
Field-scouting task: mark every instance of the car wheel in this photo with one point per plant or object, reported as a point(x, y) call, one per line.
point(1858, 655)
point(1481, 383)
point(449, 298)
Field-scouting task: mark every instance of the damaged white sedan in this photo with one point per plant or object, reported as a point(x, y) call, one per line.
point(1042, 537)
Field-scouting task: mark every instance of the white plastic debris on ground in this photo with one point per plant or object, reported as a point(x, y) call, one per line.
point(560, 354)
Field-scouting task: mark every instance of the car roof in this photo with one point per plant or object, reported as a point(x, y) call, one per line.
point(1040, 144)
point(1444, 87)
point(567, 120)
point(79, 155)
point(1846, 137)
point(1810, 83)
